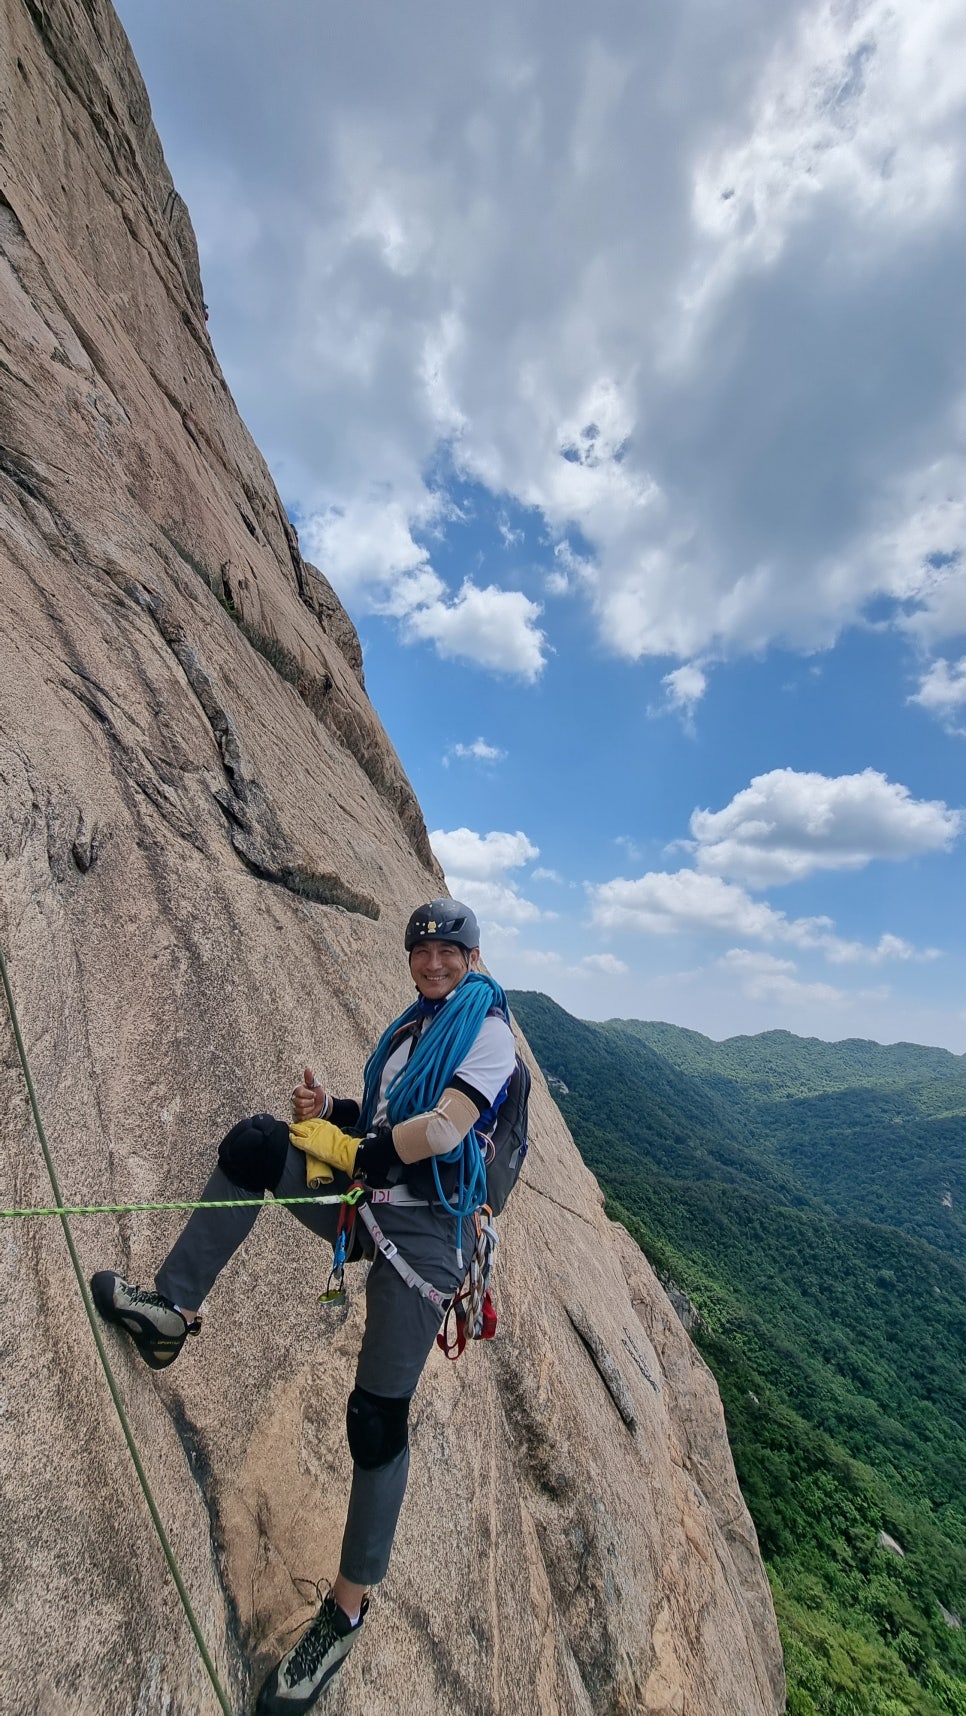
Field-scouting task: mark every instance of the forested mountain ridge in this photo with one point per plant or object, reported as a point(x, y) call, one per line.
point(775, 1060)
point(746, 1171)
point(860, 1129)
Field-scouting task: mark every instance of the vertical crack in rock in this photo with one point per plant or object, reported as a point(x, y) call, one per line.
point(574, 1535)
point(199, 1466)
point(132, 768)
point(630, 1346)
point(253, 826)
point(605, 1365)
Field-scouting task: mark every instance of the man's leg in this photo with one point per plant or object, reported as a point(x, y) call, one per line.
point(401, 1327)
point(255, 1157)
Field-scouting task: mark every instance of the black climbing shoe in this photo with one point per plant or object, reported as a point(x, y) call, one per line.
point(156, 1327)
point(295, 1684)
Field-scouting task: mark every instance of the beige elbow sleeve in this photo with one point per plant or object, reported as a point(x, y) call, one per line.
point(438, 1130)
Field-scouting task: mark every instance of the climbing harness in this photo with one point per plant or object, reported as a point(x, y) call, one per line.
point(492, 1151)
point(390, 1252)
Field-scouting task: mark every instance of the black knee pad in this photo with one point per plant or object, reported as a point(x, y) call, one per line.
point(253, 1153)
point(377, 1428)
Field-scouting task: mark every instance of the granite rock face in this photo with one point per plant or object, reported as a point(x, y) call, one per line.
point(208, 850)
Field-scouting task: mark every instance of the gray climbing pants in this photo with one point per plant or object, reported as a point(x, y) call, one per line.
point(401, 1325)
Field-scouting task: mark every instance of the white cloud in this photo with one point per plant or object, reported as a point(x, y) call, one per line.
point(685, 688)
point(724, 373)
point(854, 106)
point(687, 901)
point(787, 825)
point(887, 947)
point(633, 850)
point(942, 691)
point(368, 543)
point(476, 866)
point(668, 902)
point(763, 977)
point(479, 752)
point(482, 856)
point(495, 628)
point(605, 963)
point(499, 902)
point(542, 875)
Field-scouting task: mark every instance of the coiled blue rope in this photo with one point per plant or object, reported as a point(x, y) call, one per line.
point(418, 1085)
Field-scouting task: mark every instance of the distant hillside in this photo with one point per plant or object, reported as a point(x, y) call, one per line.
point(743, 1169)
point(777, 1063)
point(872, 1130)
point(861, 1130)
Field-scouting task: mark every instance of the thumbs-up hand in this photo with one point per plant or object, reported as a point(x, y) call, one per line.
point(308, 1098)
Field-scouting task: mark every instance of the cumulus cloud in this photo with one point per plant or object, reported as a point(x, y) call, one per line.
point(542, 875)
point(685, 687)
point(476, 868)
point(668, 902)
point(725, 373)
point(478, 752)
point(482, 856)
point(368, 542)
point(369, 552)
point(688, 901)
point(942, 691)
point(498, 902)
point(887, 947)
point(495, 628)
point(604, 963)
point(787, 825)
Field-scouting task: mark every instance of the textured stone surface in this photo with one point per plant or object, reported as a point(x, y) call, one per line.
point(206, 859)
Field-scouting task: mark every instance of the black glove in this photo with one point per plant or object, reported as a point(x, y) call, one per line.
point(375, 1156)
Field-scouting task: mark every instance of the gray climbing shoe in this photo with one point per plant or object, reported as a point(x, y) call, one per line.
point(296, 1682)
point(156, 1327)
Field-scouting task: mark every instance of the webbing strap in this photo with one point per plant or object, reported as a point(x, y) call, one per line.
point(399, 1195)
point(102, 1353)
point(424, 1288)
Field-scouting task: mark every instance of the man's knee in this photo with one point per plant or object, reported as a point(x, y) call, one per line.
point(377, 1427)
point(253, 1153)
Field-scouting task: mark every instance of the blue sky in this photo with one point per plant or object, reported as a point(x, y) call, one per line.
point(611, 362)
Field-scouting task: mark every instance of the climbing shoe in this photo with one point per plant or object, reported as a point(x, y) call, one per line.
point(156, 1327)
point(295, 1684)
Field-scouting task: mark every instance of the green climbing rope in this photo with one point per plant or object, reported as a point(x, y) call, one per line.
point(352, 1196)
point(111, 1382)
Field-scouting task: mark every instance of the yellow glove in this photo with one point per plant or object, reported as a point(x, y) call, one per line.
point(325, 1148)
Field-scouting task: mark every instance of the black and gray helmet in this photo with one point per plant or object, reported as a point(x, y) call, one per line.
point(443, 920)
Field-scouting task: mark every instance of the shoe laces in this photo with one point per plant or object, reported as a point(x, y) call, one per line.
point(315, 1644)
point(142, 1296)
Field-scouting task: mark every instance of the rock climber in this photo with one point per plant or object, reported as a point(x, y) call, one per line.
point(438, 1069)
